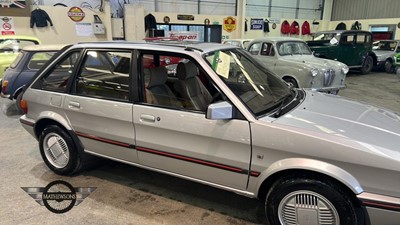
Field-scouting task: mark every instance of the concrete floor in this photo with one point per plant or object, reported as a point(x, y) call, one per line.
point(129, 195)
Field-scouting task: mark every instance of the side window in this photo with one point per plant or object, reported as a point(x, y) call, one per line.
point(347, 39)
point(255, 48)
point(267, 49)
point(39, 59)
point(176, 82)
point(360, 39)
point(57, 78)
point(105, 74)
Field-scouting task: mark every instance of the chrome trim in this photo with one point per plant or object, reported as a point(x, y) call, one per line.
point(379, 201)
point(237, 191)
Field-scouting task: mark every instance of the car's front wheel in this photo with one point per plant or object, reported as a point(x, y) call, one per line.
point(389, 68)
point(291, 82)
point(309, 201)
point(58, 150)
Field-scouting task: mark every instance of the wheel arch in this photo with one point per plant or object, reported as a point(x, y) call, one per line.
point(310, 167)
point(16, 92)
point(285, 76)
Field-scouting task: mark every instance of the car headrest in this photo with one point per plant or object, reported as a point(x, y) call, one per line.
point(186, 70)
point(158, 76)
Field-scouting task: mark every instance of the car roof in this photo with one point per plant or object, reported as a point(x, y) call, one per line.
point(159, 46)
point(278, 39)
point(4, 37)
point(34, 48)
point(343, 31)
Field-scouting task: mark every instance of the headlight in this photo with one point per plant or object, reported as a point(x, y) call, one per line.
point(380, 58)
point(314, 72)
point(345, 70)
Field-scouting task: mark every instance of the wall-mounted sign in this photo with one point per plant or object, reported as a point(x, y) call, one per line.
point(274, 26)
point(7, 26)
point(166, 19)
point(274, 20)
point(183, 35)
point(185, 17)
point(76, 14)
point(256, 24)
point(229, 24)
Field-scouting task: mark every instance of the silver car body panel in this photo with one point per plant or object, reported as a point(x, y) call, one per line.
point(320, 134)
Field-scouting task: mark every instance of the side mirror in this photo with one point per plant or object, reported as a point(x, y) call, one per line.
point(220, 111)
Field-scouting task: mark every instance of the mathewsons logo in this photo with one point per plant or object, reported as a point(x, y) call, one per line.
point(76, 14)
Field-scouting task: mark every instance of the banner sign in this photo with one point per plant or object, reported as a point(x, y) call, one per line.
point(256, 24)
point(183, 35)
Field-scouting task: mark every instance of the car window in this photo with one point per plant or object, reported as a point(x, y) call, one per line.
point(347, 39)
point(105, 74)
point(175, 82)
point(17, 60)
point(255, 48)
point(360, 39)
point(38, 59)
point(57, 78)
point(267, 49)
point(293, 48)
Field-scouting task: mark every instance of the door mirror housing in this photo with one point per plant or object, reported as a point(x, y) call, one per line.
point(220, 111)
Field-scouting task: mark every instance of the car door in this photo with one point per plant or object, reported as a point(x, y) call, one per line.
point(347, 50)
point(177, 138)
point(100, 108)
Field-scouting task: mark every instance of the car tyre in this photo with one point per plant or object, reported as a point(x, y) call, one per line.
point(389, 68)
point(367, 66)
point(58, 151)
point(295, 199)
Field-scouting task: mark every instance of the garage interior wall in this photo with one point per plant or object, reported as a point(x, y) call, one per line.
point(365, 9)
point(63, 30)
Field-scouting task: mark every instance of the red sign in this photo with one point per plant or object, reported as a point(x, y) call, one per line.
point(229, 24)
point(76, 14)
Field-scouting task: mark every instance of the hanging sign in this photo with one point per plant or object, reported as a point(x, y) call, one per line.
point(76, 14)
point(185, 17)
point(256, 24)
point(229, 24)
point(183, 35)
point(7, 26)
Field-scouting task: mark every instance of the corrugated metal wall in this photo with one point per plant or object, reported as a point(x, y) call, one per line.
point(365, 9)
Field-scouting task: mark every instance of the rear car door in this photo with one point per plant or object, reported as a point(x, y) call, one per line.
point(99, 107)
point(172, 132)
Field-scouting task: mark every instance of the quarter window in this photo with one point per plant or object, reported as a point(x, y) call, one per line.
point(39, 59)
point(255, 48)
point(57, 78)
point(105, 74)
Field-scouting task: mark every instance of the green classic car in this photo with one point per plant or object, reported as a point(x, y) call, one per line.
point(10, 45)
point(351, 47)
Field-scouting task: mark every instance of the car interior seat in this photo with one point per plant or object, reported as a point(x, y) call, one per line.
point(157, 91)
point(190, 88)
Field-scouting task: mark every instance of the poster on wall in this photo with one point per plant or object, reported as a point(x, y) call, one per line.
point(15, 7)
point(183, 35)
point(7, 25)
point(256, 24)
point(84, 29)
point(229, 24)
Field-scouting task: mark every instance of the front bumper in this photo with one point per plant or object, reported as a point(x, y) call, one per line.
point(382, 210)
point(328, 89)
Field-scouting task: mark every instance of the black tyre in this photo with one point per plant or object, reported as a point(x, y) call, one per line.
point(18, 102)
point(389, 68)
point(310, 201)
point(292, 82)
point(368, 65)
point(58, 151)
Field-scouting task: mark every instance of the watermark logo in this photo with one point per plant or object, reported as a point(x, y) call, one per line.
point(59, 196)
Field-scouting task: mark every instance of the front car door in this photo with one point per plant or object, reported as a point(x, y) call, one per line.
point(172, 132)
point(347, 50)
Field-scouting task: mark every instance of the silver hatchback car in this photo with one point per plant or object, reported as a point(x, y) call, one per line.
point(213, 114)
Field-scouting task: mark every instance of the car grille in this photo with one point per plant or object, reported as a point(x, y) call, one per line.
point(329, 77)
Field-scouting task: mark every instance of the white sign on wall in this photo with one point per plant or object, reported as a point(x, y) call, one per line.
point(183, 35)
point(7, 25)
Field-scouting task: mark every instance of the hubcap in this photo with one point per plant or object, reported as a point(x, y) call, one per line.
point(56, 150)
point(307, 208)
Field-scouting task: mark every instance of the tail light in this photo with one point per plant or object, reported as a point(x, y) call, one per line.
point(4, 86)
point(24, 106)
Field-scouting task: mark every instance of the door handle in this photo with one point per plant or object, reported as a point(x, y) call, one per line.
point(74, 104)
point(147, 118)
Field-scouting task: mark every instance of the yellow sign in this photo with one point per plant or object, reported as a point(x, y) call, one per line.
point(229, 24)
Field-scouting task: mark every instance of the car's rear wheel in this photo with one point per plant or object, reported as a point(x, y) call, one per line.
point(58, 151)
point(309, 201)
point(367, 66)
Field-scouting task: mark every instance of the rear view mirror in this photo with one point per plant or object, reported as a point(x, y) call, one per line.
point(220, 111)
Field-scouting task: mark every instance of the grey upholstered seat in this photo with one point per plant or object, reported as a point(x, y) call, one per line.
point(158, 91)
point(190, 88)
